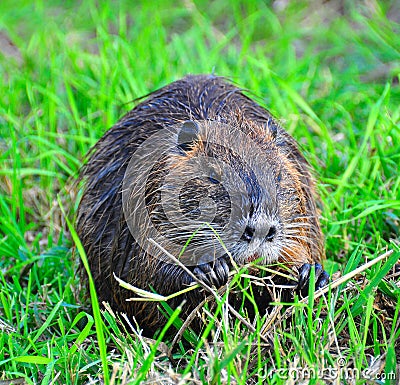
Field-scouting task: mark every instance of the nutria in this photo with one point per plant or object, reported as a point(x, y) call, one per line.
point(195, 159)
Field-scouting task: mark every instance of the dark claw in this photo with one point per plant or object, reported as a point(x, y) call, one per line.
point(321, 278)
point(222, 270)
point(318, 271)
point(213, 273)
point(201, 274)
point(304, 277)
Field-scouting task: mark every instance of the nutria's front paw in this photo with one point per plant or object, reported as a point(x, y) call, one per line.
point(214, 273)
point(321, 278)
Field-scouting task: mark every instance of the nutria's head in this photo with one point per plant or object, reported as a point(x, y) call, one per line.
point(208, 188)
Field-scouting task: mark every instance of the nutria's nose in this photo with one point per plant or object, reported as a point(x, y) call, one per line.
point(271, 234)
point(248, 233)
point(250, 230)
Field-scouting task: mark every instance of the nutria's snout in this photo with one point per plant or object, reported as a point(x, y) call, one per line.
point(201, 169)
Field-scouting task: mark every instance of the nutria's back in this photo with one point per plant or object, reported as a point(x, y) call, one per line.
point(195, 151)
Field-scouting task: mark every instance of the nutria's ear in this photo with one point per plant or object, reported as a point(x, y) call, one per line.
point(272, 128)
point(188, 135)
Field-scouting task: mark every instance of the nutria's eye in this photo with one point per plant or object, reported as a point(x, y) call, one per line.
point(279, 177)
point(188, 135)
point(214, 177)
point(271, 234)
point(212, 180)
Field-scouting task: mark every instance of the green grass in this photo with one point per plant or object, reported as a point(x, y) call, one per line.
point(330, 74)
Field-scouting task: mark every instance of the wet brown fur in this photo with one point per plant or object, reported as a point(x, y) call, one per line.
point(101, 225)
